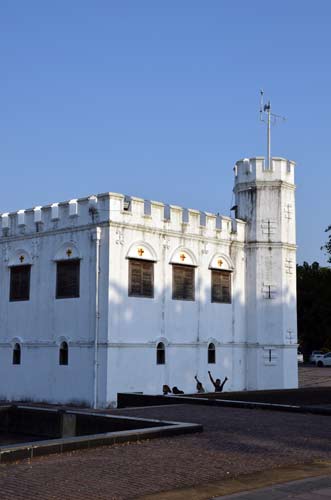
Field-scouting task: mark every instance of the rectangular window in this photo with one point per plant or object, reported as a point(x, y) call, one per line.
point(19, 283)
point(141, 278)
point(221, 286)
point(67, 279)
point(182, 282)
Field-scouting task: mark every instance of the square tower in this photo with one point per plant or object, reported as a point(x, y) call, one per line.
point(265, 199)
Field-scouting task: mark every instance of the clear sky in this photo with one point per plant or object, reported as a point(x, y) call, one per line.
point(158, 99)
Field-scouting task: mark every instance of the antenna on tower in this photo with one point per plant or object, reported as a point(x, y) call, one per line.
point(270, 118)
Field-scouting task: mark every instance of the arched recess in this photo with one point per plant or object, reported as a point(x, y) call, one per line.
point(211, 353)
point(67, 251)
point(183, 256)
point(16, 340)
point(61, 339)
point(221, 262)
point(20, 257)
point(161, 351)
point(163, 340)
point(64, 353)
point(141, 250)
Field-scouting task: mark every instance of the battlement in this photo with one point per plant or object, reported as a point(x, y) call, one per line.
point(256, 169)
point(117, 208)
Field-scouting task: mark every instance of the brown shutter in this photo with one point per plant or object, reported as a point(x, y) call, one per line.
point(67, 279)
point(182, 282)
point(135, 278)
point(226, 286)
point(147, 279)
point(216, 290)
point(220, 286)
point(141, 278)
point(20, 283)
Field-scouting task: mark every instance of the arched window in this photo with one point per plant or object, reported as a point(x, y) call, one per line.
point(211, 353)
point(63, 354)
point(17, 354)
point(160, 354)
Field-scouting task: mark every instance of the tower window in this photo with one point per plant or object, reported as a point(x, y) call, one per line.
point(211, 354)
point(67, 279)
point(183, 282)
point(160, 354)
point(141, 278)
point(221, 286)
point(17, 354)
point(63, 354)
point(19, 283)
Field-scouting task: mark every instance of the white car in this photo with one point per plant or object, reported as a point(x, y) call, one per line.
point(300, 357)
point(324, 360)
point(315, 356)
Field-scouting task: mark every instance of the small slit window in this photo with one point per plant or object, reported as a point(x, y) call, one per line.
point(17, 354)
point(221, 286)
point(141, 278)
point(63, 354)
point(183, 282)
point(160, 354)
point(19, 283)
point(67, 279)
point(211, 354)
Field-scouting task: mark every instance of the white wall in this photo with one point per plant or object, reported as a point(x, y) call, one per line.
point(129, 328)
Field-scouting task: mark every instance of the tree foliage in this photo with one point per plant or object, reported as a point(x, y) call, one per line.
point(314, 306)
point(327, 246)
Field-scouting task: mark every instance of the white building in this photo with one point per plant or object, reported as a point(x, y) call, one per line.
point(107, 294)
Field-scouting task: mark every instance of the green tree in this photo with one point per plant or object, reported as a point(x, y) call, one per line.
point(327, 246)
point(314, 307)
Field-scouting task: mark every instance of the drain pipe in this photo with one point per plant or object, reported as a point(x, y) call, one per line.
point(97, 237)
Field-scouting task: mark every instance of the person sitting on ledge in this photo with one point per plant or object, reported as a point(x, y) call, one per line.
point(200, 388)
point(217, 383)
point(166, 390)
point(175, 390)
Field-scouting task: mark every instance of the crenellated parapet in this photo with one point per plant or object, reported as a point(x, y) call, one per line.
point(255, 169)
point(120, 209)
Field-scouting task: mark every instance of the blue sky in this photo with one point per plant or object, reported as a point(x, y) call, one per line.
point(158, 99)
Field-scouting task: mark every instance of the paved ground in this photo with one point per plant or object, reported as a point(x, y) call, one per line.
point(306, 489)
point(237, 444)
point(313, 376)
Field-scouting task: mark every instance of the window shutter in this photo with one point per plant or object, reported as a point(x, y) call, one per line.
point(67, 284)
point(135, 275)
point(20, 283)
point(216, 287)
point(147, 279)
point(226, 287)
point(141, 278)
point(221, 286)
point(183, 283)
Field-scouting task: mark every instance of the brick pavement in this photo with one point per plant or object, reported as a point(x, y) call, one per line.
point(313, 376)
point(234, 442)
point(306, 489)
